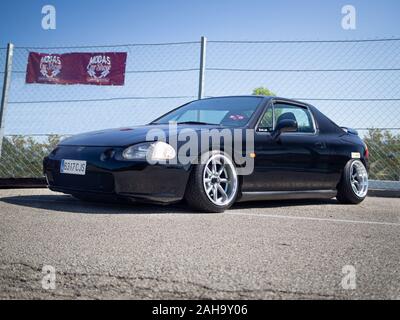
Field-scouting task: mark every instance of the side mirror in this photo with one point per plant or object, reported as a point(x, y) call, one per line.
point(286, 125)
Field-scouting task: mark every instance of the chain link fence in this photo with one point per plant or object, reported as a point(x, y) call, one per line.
point(356, 83)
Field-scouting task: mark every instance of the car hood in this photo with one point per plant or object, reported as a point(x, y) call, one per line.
point(122, 137)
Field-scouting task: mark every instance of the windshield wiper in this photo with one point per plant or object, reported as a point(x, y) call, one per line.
point(197, 122)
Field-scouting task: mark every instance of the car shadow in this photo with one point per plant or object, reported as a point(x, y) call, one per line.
point(66, 203)
point(282, 203)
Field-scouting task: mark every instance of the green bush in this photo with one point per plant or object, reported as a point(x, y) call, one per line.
point(22, 156)
point(384, 154)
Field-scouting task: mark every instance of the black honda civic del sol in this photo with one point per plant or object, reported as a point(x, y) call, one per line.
point(271, 149)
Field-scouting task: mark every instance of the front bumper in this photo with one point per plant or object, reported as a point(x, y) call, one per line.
point(107, 177)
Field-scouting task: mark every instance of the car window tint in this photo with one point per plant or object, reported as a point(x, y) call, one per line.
point(212, 116)
point(301, 115)
point(186, 116)
point(209, 116)
point(267, 122)
point(227, 111)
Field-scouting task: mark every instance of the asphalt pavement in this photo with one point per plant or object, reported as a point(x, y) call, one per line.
point(261, 250)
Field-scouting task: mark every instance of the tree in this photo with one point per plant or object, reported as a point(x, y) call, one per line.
point(263, 91)
point(384, 150)
point(22, 157)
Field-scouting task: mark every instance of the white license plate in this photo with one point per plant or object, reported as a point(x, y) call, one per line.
point(73, 167)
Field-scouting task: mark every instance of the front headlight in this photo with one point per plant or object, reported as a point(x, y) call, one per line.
point(136, 152)
point(150, 151)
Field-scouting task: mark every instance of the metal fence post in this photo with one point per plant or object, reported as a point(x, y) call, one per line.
point(6, 90)
point(202, 66)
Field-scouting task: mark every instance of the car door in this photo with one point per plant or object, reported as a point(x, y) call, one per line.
point(293, 161)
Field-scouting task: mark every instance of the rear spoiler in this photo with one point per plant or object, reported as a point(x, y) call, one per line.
point(350, 130)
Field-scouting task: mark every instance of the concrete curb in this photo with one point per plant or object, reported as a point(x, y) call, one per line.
point(384, 193)
point(17, 183)
point(384, 188)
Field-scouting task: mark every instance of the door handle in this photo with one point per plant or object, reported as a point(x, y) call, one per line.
point(320, 145)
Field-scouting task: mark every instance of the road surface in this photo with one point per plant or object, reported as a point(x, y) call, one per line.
point(262, 250)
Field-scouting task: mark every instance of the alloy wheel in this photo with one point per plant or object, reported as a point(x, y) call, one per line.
point(220, 180)
point(359, 179)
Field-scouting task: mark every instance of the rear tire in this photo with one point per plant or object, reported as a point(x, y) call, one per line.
point(213, 184)
point(353, 186)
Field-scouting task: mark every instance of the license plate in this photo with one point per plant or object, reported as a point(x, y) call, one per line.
point(73, 167)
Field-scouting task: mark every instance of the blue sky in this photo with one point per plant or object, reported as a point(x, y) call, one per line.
point(127, 21)
point(89, 22)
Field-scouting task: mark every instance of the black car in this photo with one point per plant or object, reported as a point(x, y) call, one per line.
point(278, 149)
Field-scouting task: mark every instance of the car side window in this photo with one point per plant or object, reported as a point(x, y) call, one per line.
point(301, 115)
point(267, 121)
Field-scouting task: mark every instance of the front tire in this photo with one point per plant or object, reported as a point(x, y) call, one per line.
point(213, 185)
point(353, 187)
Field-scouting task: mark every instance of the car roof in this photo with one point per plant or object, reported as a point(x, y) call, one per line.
point(261, 96)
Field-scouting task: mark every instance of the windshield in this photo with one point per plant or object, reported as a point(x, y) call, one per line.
point(229, 111)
